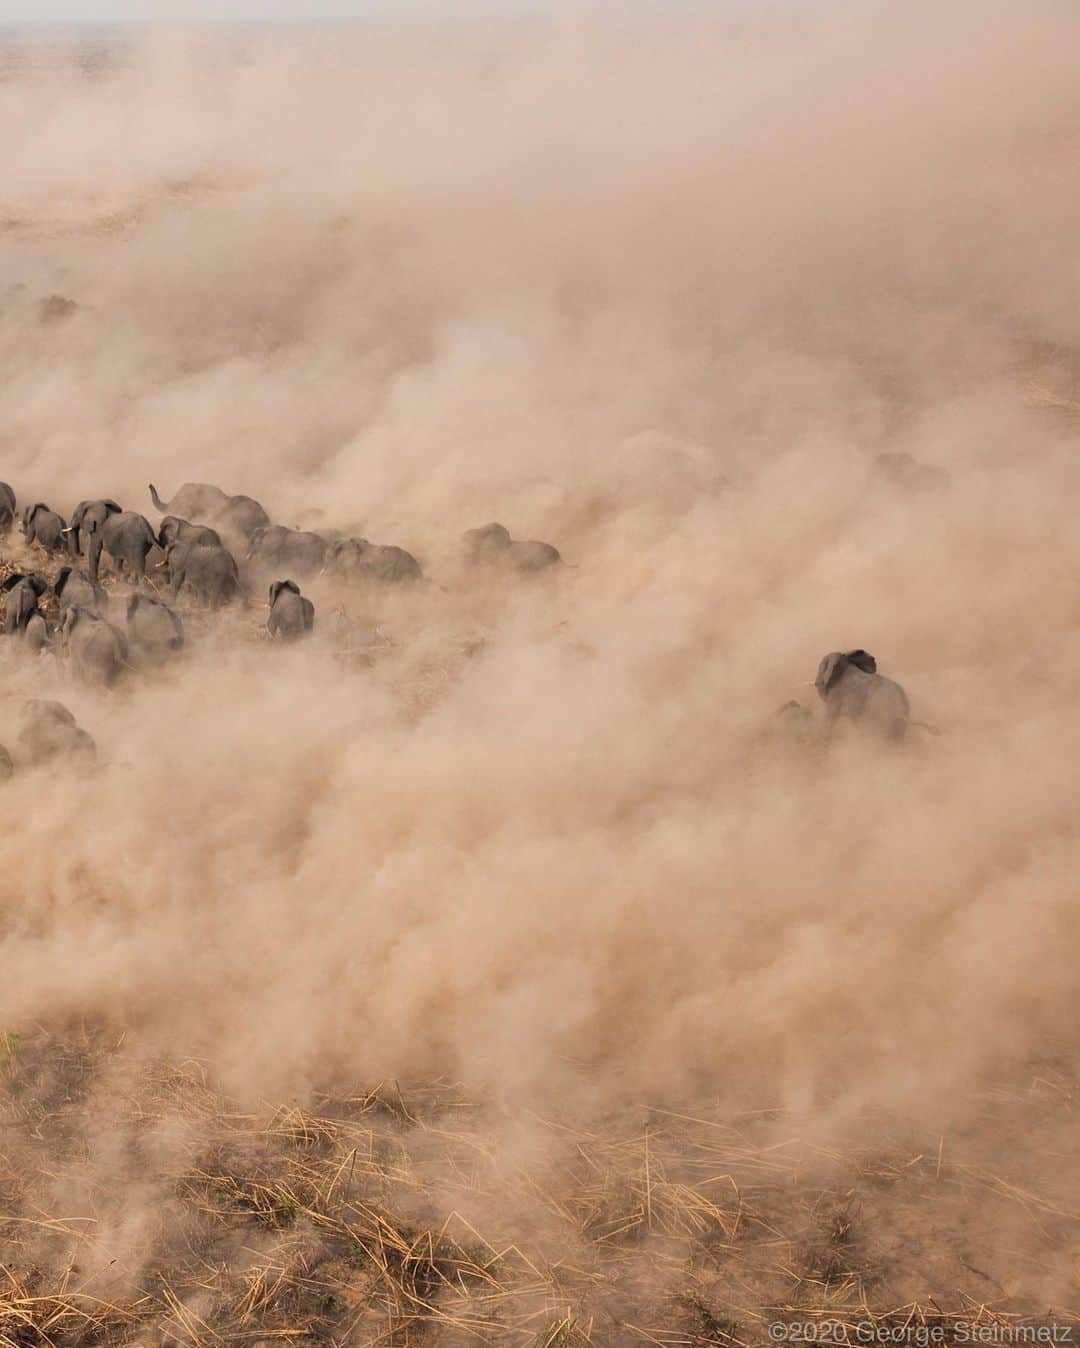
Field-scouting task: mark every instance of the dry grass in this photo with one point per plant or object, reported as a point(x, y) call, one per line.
point(394, 1217)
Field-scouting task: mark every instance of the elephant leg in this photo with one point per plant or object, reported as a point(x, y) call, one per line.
point(94, 557)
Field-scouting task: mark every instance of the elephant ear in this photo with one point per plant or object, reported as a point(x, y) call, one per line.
point(39, 585)
point(61, 580)
point(863, 660)
point(112, 507)
point(12, 580)
point(829, 671)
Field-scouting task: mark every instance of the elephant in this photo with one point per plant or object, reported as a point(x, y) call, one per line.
point(291, 615)
point(357, 559)
point(54, 308)
point(851, 688)
point(86, 517)
point(279, 546)
point(7, 496)
point(23, 593)
point(192, 500)
point(904, 471)
point(7, 508)
point(76, 587)
point(44, 526)
point(7, 768)
point(154, 630)
point(98, 651)
point(241, 516)
point(793, 723)
point(175, 530)
point(36, 635)
point(48, 730)
point(209, 571)
point(492, 543)
point(127, 538)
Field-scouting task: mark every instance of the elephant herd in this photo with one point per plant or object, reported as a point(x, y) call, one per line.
point(204, 538)
point(202, 532)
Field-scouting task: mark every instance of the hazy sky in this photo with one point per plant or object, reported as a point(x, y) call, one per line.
point(111, 11)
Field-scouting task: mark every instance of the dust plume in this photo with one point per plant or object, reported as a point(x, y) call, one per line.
point(660, 293)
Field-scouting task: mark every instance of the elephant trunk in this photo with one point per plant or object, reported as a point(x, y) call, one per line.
point(159, 504)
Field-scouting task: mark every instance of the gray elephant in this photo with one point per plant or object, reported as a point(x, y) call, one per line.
point(7, 508)
point(127, 538)
point(44, 527)
point(852, 689)
point(98, 651)
point(48, 730)
point(291, 615)
point(356, 559)
point(85, 518)
point(793, 724)
point(154, 630)
point(201, 502)
point(492, 544)
point(173, 529)
point(240, 516)
point(209, 571)
point(194, 500)
point(23, 593)
point(76, 587)
point(275, 545)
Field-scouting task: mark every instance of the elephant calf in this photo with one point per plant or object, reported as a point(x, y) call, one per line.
point(793, 723)
point(154, 631)
point(48, 730)
point(98, 651)
point(44, 527)
point(852, 689)
point(23, 593)
point(291, 615)
point(492, 544)
point(76, 587)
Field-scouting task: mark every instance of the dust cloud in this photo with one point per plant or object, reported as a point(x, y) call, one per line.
point(660, 293)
